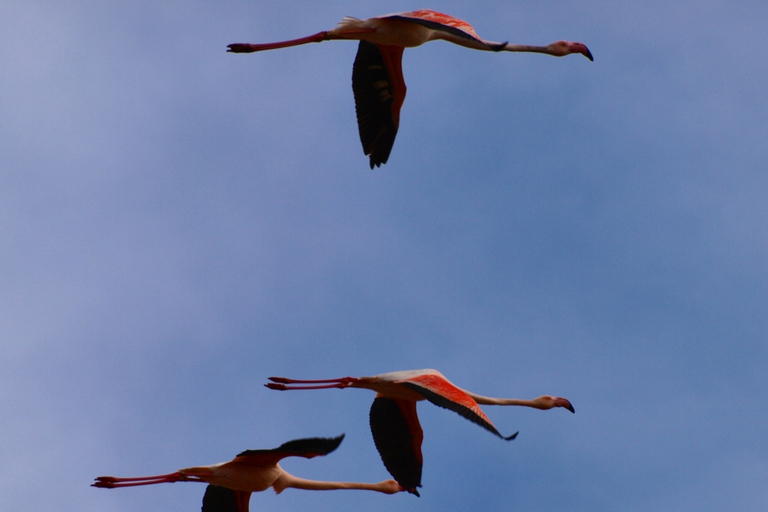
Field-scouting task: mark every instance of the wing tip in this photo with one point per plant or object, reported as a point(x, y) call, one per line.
point(510, 438)
point(306, 447)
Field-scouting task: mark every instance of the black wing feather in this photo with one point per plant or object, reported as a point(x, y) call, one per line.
point(309, 447)
point(219, 499)
point(394, 441)
point(374, 96)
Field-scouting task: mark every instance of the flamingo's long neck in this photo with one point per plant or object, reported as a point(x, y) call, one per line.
point(526, 48)
point(487, 400)
point(514, 401)
point(556, 49)
point(287, 480)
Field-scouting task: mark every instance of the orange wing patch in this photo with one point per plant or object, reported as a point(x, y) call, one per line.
point(453, 398)
point(441, 19)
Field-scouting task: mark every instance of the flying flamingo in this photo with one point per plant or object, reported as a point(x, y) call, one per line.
point(377, 75)
point(394, 422)
point(231, 483)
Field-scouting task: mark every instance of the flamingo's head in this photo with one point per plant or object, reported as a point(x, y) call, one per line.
point(391, 487)
point(563, 48)
point(549, 402)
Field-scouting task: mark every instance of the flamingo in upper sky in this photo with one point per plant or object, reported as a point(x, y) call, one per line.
point(394, 422)
point(231, 483)
point(377, 75)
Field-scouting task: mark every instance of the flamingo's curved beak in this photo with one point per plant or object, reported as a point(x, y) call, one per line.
point(562, 402)
point(582, 49)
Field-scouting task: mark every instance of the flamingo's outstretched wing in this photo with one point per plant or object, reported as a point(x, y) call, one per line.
point(444, 23)
point(442, 393)
point(379, 90)
point(398, 436)
point(221, 499)
point(309, 447)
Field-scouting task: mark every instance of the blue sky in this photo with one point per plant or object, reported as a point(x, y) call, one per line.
point(179, 223)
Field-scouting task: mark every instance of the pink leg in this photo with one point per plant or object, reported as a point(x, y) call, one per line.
point(110, 482)
point(250, 48)
point(315, 38)
point(284, 384)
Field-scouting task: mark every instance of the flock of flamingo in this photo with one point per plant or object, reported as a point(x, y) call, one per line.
point(396, 433)
point(379, 91)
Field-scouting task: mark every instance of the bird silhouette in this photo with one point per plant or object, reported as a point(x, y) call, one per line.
point(377, 74)
point(231, 483)
point(394, 422)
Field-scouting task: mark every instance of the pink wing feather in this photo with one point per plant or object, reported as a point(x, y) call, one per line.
point(439, 21)
point(438, 390)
